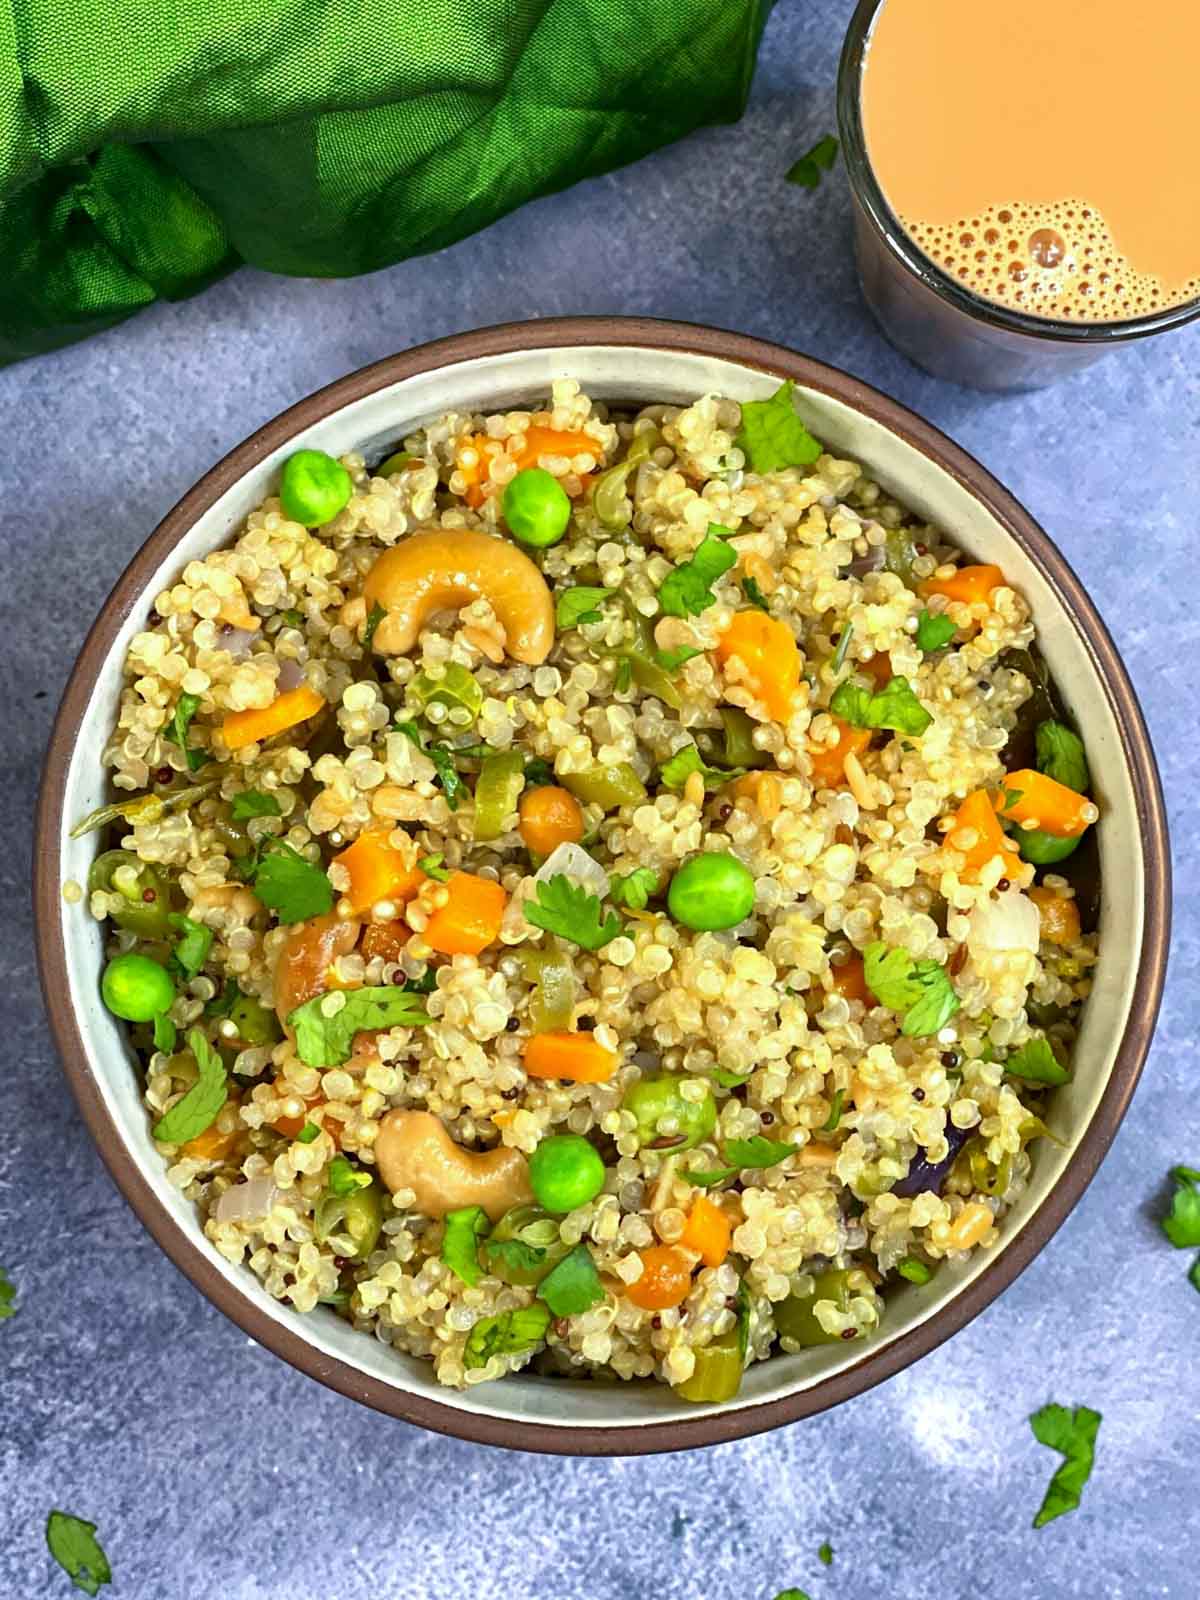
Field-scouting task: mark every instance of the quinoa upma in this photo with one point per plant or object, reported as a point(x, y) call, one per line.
point(594, 891)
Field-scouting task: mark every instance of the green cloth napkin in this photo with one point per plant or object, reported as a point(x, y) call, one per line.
point(149, 146)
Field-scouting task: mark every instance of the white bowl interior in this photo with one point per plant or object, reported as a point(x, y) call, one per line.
point(616, 373)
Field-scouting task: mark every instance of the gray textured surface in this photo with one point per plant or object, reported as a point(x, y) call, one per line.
point(212, 1469)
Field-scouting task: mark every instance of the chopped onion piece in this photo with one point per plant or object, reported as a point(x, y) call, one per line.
point(572, 861)
point(1009, 921)
point(247, 1202)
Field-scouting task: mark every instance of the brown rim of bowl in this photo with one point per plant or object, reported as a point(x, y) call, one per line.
point(739, 1421)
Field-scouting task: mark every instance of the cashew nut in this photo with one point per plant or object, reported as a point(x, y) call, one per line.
point(302, 967)
point(414, 1151)
point(442, 569)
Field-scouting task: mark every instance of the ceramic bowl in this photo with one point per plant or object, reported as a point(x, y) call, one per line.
point(638, 361)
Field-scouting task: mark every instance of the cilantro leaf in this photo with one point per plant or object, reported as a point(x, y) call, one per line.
point(433, 867)
point(374, 617)
point(221, 1005)
point(517, 1256)
point(1194, 1274)
point(1073, 1435)
point(920, 990)
point(915, 1270)
point(895, 706)
point(835, 1112)
point(808, 169)
point(676, 771)
point(672, 660)
point(73, 1544)
point(425, 984)
point(825, 1554)
point(754, 594)
point(254, 803)
point(176, 730)
point(1036, 1062)
point(706, 1178)
point(201, 1105)
point(443, 760)
point(1061, 756)
point(326, 1041)
point(345, 1178)
point(772, 435)
point(634, 889)
point(580, 604)
point(509, 1333)
point(687, 591)
point(934, 632)
point(727, 1079)
point(791, 1594)
point(573, 1285)
point(460, 1242)
point(291, 886)
point(563, 908)
point(192, 946)
point(166, 1034)
point(1182, 1224)
point(538, 773)
point(742, 1153)
point(308, 1133)
point(7, 1291)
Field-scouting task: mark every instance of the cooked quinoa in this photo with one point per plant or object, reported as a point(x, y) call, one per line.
point(266, 705)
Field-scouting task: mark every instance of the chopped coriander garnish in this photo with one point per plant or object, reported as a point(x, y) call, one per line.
point(166, 1034)
point(192, 946)
point(564, 908)
point(434, 867)
point(687, 591)
point(443, 760)
point(254, 803)
point(73, 1544)
point(772, 435)
point(291, 886)
point(835, 1112)
point(895, 706)
point(807, 171)
point(374, 617)
point(221, 1005)
point(934, 632)
point(920, 990)
point(1073, 1435)
point(460, 1242)
point(7, 1291)
point(425, 984)
point(509, 1333)
point(825, 1554)
point(1036, 1062)
point(345, 1178)
point(754, 594)
point(326, 1041)
point(729, 1080)
point(538, 773)
point(634, 889)
point(755, 1153)
point(791, 1594)
point(176, 730)
point(580, 604)
point(515, 1256)
point(294, 618)
point(915, 1270)
point(672, 660)
point(1182, 1223)
point(201, 1105)
point(307, 1133)
point(573, 1285)
point(679, 768)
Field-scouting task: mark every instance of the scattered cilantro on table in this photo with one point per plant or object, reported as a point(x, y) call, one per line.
point(1073, 1435)
point(73, 1544)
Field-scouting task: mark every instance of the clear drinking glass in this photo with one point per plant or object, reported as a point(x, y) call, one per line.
point(931, 318)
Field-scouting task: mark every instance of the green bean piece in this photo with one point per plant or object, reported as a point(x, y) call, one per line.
point(740, 749)
point(145, 895)
point(141, 808)
point(666, 1119)
point(653, 679)
point(359, 1215)
point(986, 1178)
point(395, 463)
point(523, 1246)
point(552, 1004)
point(795, 1318)
point(607, 786)
point(899, 553)
point(501, 779)
point(456, 687)
point(255, 1023)
point(609, 500)
point(717, 1374)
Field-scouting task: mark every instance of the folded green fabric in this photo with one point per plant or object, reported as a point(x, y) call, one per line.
point(149, 146)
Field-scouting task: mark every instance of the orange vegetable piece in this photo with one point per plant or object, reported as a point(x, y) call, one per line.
point(212, 1144)
point(293, 1127)
point(541, 441)
point(477, 471)
point(303, 963)
point(1045, 802)
point(878, 667)
point(386, 939)
point(377, 872)
point(665, 1281)
point(849, 980)
point(708, 1232)
point(574, 1056)
point(969, 585)
point(1059, 913)
point(470, 919)
point(829, 761)
point(549, 816)
point(768, 650)
point(241, 728)
point(977, 813)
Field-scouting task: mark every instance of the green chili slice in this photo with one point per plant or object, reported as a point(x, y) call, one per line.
point(501, 779)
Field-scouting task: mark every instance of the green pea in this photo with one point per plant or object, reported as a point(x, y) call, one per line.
point(536, 508)
point(666, 1119)
point(795, 1319)
point(136, 988)
point(314, 487)
point(711, 891)
point(565, 1171)
point(1043, 849)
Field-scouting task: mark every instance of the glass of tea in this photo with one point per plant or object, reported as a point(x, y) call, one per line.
point(1025, 182)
